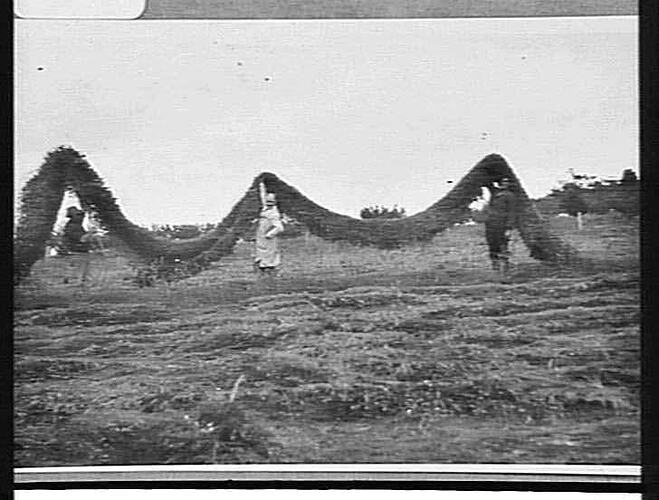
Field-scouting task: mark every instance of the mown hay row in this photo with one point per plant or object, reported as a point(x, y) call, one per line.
point(451, 209)
point(41, 198)
point(65, 169)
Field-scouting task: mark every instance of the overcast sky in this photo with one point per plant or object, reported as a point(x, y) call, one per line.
point(179, 116)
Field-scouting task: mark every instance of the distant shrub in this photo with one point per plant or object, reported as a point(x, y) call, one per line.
point(182, 231)
point(587, 193)
point(380, 212)
point(628, 177)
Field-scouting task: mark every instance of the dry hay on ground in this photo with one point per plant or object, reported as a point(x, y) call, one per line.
point(415, 355)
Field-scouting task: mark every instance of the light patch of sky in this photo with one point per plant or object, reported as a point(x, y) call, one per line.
point(179, 116)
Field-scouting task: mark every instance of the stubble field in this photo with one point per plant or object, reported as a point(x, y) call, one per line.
point(351, 354)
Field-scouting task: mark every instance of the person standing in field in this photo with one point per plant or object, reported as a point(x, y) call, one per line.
point(500, 221)
point(268, 257)
point(74, 232)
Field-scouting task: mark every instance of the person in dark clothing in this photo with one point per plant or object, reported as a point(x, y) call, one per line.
point(501, 219)
point(74, 233)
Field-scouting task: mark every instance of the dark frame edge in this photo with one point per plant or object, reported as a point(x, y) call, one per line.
point(649, 154)
point(6, 248)
point(614, 487)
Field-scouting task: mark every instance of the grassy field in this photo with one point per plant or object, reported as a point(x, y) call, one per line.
point(420, 354)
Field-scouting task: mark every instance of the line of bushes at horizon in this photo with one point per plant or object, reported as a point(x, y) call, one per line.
point(66, 169)
point(598, 199)
point(380, 212)
point(181, 231)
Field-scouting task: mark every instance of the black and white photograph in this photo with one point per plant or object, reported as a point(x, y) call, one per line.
point(327, 241)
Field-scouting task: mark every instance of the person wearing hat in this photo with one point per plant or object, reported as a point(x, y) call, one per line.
point(500, 221)
point(268, 257)
point(73, 231)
